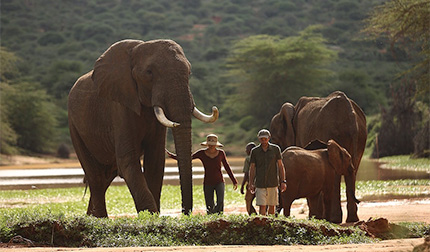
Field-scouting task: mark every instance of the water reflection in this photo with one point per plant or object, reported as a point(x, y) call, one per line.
point(370, 170)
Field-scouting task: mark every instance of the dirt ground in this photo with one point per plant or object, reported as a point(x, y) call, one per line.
point(408, 210)
point(389, 245)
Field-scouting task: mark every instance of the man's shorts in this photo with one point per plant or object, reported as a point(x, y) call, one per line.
point(266, 196)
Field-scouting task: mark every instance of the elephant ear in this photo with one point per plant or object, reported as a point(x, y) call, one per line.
point(281, 126)
point(338, 157)
point(112, 75)
point(315, 145)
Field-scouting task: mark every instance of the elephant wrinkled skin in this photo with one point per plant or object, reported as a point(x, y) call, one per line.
point(120, 110)
point(312, 172)
point(333, 117)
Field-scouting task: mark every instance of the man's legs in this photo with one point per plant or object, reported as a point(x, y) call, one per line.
point(267, 198)
point(262, 210)
point(271, 210)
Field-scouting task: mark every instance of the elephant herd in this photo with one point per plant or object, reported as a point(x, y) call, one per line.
point(336, 120)
point(119, 112)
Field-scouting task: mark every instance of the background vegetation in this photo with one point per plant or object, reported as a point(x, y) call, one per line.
point(56, 217)
point(248, 57)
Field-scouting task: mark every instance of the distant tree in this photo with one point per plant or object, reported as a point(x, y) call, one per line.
point(8, 66)
point(8, 136)
point(406, 22)
point(399, 124)
point(270, 70)
point(31, 115)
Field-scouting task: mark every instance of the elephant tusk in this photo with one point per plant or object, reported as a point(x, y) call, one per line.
point(159, 113)
point(206, 118)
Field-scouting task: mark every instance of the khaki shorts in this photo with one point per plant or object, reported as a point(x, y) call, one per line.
point(266, 196)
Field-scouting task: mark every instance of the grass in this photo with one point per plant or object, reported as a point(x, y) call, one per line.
point(118, 200)
point(405, 162)
point(147, 229)
point(69, 201)
point(56, 217)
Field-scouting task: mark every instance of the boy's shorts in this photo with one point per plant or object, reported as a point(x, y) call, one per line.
point(266, 196)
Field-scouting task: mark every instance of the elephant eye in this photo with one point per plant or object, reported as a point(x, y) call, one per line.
point(148, 72)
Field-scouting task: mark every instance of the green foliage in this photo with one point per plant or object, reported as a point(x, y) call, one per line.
point(9, 137)
point(406, 22)
point(31, 115)
point(60, 40)
point(8, 62)
point(152, 230)
point(272, 70)
point(374, 189)
point(405, 162)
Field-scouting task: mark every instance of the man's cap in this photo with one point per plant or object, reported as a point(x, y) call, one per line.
point(263, 133)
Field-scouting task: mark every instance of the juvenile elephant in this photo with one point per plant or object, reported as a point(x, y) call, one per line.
point(333, 117)
point(120, 110)
point(311, 173)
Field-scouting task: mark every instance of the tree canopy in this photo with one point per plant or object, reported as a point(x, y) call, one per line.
point(406, 22)
point(58, 41)
point(270, 70)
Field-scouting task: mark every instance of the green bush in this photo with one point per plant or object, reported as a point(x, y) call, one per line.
point(153, 230)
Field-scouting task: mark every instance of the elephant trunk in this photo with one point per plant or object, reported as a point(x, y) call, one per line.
point(182, 138)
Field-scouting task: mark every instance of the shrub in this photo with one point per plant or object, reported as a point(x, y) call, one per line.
point(63, 151)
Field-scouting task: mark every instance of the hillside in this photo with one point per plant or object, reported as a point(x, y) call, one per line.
point(58, 41)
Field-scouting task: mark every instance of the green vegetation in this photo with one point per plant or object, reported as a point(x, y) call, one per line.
point(49, 52)
point(405, 188)
point(406, 163)
point(55, 217)
point(70, 201)
point(152, 230)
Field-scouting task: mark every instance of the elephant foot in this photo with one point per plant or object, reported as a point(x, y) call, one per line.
point(352, 218)
point(336, 219)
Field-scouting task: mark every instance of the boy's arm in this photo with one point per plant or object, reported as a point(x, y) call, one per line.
point(251, 182)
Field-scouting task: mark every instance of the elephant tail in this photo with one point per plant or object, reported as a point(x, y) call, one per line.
point(352, 195)
point(86, 187)
point(356, 200)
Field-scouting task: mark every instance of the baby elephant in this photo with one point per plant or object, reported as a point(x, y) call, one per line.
point(310, 173)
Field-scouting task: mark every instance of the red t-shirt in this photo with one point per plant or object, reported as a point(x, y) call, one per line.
point(212, 166)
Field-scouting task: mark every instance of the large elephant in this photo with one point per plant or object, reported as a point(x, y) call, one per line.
point(333, 117)
point(119, 111)
point(312, 172)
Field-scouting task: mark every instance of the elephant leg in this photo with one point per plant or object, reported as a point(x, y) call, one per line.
point(98, 187)
point(351, 204)
point(280, 203)
point(287, 206)
point(136, 183)
point(336, 209)
point(287, 200)
point(315, 206)
point(153, 165)
point(327, 205)
point(94, 176)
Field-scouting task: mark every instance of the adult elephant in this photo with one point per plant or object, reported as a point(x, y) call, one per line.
point(119, 111)
point(333, 117)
